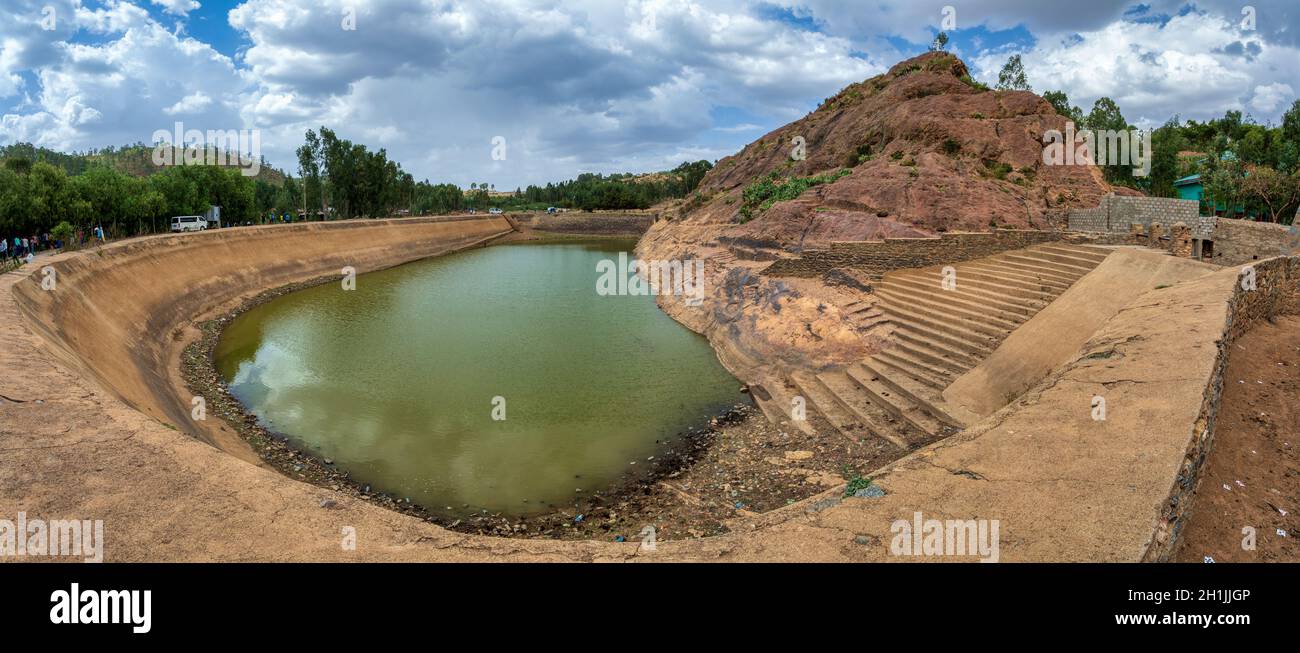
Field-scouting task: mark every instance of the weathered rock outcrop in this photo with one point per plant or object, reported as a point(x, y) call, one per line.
point(919, 151)
point(926, 150)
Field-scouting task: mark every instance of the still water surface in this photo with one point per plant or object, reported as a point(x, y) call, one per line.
point(396, 380)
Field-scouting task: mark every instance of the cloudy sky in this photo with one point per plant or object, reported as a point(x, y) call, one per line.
point(590, 85)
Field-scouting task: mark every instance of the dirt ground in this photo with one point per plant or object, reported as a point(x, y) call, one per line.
point(1252, 476)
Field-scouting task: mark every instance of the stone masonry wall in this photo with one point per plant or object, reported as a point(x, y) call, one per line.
point(879, 257)
point(1276, 291)
point(581, 223)
point(1237, 242)
point(1116, 213)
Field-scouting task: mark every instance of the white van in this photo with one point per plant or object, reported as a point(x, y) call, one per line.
point(494, 211)
point(189, 223)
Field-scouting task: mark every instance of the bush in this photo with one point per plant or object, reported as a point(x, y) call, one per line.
point(771, 189)
point(63, 232)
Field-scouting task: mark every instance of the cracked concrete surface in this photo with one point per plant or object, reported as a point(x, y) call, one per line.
point(1064, 487)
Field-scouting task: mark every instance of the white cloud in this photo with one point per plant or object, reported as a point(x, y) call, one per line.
point(1194, 65)
point(735, 129)
point(589, 85)
point(177, 7)
point(1268, 99)
point(124, 84)
point(584, 85)
point(195, 102)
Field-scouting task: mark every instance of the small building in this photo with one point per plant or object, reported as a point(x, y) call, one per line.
point(1190, 188)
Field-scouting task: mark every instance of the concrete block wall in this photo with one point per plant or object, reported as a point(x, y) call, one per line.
point(1116, 213)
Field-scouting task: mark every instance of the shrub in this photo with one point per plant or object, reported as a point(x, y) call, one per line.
point(63, 232)
point(769, 190)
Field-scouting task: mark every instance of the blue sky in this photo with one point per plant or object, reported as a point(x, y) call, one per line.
point(590, 85)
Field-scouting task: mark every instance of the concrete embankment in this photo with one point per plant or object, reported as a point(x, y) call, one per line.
point(121, 313)
point(1047, 341)
point(94, 423)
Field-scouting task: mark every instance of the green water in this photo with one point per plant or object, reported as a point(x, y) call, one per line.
point(396, 380)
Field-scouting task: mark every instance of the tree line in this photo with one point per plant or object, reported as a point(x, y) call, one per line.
point(1246, 168)
point(120, 190)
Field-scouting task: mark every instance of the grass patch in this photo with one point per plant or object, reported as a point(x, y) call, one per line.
point(857, 482)
point(970, 81)
point(996, 170)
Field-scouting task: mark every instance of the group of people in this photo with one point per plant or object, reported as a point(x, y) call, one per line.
point(25, 248)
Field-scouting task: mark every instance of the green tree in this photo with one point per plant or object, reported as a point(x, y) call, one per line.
point(1012, 76)
point(1166, 143)
point(1061, 103)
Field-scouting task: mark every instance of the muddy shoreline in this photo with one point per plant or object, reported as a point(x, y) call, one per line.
point(599, 509)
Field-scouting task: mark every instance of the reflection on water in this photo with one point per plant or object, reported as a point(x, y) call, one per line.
point(395, 380)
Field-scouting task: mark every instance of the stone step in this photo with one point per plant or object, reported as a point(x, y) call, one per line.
point(950, 325)
point(1068, 278)
point(989, 272)
point(1077, 251)
point(977, 349)
point(909, 287)
point(1070, 258)
point(938, 308)
point(1038, 260)
point(898, 404)
point(926, 399)
point(879, 422)
point(1010, 279)
point(818, 396)
point(927, 357)
point(921, 340)
point(778, 405)
point(873, 322)
point(905, 362)
point(935, 279)
point(1088, 249)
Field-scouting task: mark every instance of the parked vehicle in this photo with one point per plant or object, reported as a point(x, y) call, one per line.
point(189, 223)
point(494, 211)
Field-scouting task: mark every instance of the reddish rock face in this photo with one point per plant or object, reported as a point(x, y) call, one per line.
point(926, 150)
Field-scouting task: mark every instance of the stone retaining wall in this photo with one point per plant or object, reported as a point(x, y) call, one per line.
point(879, 257)
point(596, 224)
point(1276, 292)
point(1237, 242)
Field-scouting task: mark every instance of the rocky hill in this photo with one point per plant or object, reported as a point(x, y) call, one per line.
point(920, 150)
point(916, 151)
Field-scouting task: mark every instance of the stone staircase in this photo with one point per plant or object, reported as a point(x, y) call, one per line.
point(938, 335)
point(722, 259)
